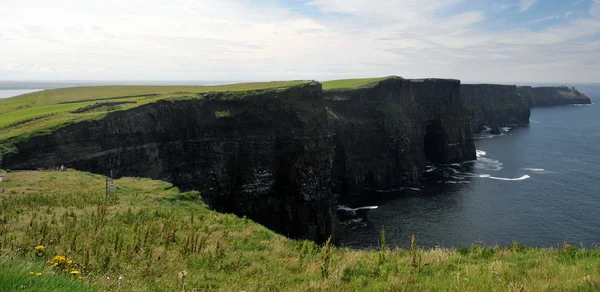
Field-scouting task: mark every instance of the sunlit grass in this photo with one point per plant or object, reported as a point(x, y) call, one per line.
point(348, 84)
point(148, 234)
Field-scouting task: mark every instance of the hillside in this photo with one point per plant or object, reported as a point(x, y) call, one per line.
point(149, 236)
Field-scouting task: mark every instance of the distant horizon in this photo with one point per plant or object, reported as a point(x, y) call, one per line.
point(218, 82)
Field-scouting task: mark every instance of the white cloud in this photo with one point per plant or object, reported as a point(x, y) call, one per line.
point(544, 19)
point(524, 5)
point(242, 40)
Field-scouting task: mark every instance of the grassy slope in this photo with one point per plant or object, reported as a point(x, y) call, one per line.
point(349, 84)
point(149, 233)
point(39, 111)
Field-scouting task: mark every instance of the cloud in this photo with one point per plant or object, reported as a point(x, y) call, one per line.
point(238, 40)
point(524, 5)
point(547, 18)
point(595, 8)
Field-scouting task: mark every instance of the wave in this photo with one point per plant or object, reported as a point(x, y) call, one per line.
point(524, 177)
point(480, 153)
point(348, 209)
point(488, 164)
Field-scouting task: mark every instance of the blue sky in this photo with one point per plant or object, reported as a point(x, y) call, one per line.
point(472, 40)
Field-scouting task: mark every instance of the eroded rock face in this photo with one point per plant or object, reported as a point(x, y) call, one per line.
point(386, 134)
point(279, 156)
point(267, 156)
point(551, 96)
point(494, 106)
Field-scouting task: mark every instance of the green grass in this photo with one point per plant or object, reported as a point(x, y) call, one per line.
point(349, 84)
point(49, 109)
point(16, 277)
point(149, 234)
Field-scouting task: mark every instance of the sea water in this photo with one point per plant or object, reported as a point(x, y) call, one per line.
point(538, 185)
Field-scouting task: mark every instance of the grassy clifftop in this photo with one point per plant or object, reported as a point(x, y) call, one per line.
point(50, 108)
point(351, 84)
point(149, 236)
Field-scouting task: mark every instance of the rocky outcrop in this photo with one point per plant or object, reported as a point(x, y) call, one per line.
point(386, 134)
point(266, 155)
point(551, 96)
point(494, 106)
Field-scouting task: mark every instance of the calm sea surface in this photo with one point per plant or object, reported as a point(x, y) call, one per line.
point(538, 185)
point(6, 93)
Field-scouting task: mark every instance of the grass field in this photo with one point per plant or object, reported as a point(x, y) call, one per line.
point(48, 109)
point(148, 236)
point(349, 84)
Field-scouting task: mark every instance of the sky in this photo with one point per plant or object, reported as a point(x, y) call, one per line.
point(259, 40)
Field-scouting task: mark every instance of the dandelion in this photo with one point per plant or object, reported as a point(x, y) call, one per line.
point(40, 248)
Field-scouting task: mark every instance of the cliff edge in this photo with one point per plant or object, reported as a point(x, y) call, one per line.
point(551, 96)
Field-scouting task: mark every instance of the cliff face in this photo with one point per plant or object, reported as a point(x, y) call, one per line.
point(275, 156)
point(267, 156)
point(551, 96)
point(494, 106)
point(386, 134)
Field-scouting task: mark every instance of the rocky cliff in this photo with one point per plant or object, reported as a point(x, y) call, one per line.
point(276, 156)
point(494, 106)
point(266, 155)
point(386, 134)
point(551, 96)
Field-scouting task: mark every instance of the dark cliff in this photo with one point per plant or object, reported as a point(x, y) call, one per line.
point(551, 96)
point(494, 106)
point(386, 134)
point(267, 156)
point(276, 156)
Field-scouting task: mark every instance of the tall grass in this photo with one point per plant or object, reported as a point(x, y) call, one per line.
point(148, 236)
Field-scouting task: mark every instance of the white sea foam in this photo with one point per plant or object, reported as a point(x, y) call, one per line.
point(535, 169)
point(450, 182)
point(524, 177)
point(488, 164)
point(480, 153)
point(348, 209)
point(505, 129)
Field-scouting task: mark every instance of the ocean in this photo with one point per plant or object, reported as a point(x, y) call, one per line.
point(538, 185)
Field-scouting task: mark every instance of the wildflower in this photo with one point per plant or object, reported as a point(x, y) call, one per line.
point(182, 274)
point(40, 248)
point(74, 272)
point(38, 274)
point(31, 273)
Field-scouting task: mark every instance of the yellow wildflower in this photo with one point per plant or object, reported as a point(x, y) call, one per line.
point(31, 273)
point(74, 272)
point(40, 248)
point(38, 274)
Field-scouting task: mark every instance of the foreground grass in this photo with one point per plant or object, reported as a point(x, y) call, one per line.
point(148, 236)
point(45, 110)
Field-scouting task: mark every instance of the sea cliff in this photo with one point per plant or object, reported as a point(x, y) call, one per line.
point(494, 106)
point(551, 96)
